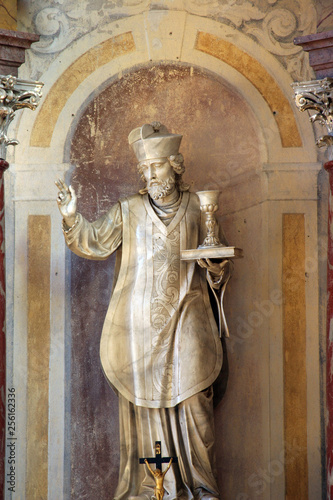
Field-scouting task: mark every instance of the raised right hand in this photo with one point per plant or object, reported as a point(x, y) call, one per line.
point(67, 202)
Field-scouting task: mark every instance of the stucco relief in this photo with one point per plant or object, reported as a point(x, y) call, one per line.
point(273, 24)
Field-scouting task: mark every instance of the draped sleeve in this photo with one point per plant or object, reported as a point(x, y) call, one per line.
point(95, 240)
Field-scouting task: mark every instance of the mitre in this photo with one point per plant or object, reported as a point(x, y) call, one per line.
point(153, 141)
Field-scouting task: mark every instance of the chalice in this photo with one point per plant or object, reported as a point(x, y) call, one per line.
point(208, 206)
point(211, 247)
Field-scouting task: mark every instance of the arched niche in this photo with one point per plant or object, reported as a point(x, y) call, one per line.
point(212, 117)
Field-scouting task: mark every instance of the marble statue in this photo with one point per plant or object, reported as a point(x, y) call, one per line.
point(160, 347)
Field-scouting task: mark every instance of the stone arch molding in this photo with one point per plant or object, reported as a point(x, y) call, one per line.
point(155, 36)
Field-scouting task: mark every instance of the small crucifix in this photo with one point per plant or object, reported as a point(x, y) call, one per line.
point(157, 473)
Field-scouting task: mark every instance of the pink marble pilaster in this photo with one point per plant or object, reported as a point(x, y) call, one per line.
point(3, 166)
point(329, 341)
point(320, 49)
point(13, 45)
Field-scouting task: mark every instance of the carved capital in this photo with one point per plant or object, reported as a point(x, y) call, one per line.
point(317, 95)
point(15, 94)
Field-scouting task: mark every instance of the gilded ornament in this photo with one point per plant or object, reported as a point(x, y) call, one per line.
point(15, 94)
point(317, 95)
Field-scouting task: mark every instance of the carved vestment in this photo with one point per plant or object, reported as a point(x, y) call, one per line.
point(160, 343)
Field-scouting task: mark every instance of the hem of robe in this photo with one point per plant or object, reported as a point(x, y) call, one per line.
point(161, 403)
point(194, 475)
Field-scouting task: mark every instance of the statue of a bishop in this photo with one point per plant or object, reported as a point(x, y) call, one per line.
point(160, 347)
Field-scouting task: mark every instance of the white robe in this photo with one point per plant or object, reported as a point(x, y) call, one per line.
point(160, 342)
point(160, 347)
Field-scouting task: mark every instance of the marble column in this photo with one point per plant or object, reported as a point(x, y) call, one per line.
point(3, 166)
point(15, 94)
point(317, 96)
point(329, 342)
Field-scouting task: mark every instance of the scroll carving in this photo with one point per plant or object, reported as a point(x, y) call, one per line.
point(273, 25)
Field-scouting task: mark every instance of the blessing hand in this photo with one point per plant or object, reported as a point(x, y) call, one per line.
point(67, 202)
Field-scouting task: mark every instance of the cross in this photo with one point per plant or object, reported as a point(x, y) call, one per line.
point(158, 459)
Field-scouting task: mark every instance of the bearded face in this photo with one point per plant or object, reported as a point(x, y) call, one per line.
point(159, 189)
point(159, 176)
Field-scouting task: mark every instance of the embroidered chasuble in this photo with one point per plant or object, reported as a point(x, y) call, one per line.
point(160, 343)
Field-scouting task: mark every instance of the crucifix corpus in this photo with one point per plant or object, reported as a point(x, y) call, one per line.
point(157, 473)
point(161, 347)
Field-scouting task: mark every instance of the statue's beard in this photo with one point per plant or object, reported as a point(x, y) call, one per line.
point(161, 189)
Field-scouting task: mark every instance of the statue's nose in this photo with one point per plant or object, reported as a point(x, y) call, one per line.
point(151, 172)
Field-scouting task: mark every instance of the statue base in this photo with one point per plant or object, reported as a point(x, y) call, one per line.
point(213, 252)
